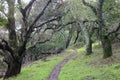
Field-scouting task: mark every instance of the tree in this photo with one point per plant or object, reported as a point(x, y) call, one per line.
point(82, 14)
point(103, 29)
point(15, 47)
point(88, 31)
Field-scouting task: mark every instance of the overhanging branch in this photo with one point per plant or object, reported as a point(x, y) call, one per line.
point(41, 13)
point(27, 7)
point(90, 6)
point(42, 42)
point(48, 21)
point(59, 26)
point(114, 31)
point(31, 27)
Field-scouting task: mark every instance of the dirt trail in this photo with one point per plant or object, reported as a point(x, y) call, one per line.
point(55, 72)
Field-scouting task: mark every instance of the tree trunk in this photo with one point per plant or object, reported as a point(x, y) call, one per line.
point(13, 65)
point(14, 68)
point(89, 46)
point(68, 41)
point(105, 40)
point(69, 37)
point(77, 37)
point(87, 37)
point(107, 47)
point(11, 24)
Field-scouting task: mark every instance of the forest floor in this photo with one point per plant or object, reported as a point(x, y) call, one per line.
point(80, 67)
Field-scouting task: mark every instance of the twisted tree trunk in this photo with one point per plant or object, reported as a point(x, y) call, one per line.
point(14, 68)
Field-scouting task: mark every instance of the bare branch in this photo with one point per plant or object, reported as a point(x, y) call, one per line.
point(47, 39)
point(36, 31)
point(41, 42)
point(49, 20)
point(29, 5)
point(90, 6)
point(31, 27)
point(20, 6)
point(58, 17)
point(114, 31)
point(118, 38)
point(59, 26)
point(27, 9)
point(41, 13)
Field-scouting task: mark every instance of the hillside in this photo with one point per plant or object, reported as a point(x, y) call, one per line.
point(40, 70)
point(93, 67)
point(80, 67)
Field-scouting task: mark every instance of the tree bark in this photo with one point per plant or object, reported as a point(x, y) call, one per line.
point(107, 47)
point(11, 24)
point(77, 36)
point(12, 60)
point(69, 37)
point(13, 66)
point(105, 40)
point(68, 41)
point(87, 37)
point(89, 46)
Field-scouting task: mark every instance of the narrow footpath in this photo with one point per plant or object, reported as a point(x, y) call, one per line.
point(55, 72)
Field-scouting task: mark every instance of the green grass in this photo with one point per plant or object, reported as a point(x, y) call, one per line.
point(92, 67)
point(40, 70)
point(81, 67)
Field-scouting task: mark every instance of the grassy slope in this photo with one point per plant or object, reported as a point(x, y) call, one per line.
point(40, 70)
point(93, 67)
point(81, 67)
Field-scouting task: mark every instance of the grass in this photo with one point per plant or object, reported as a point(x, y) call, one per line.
point(81, 67)
point(40, 70)
point(93, 67)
